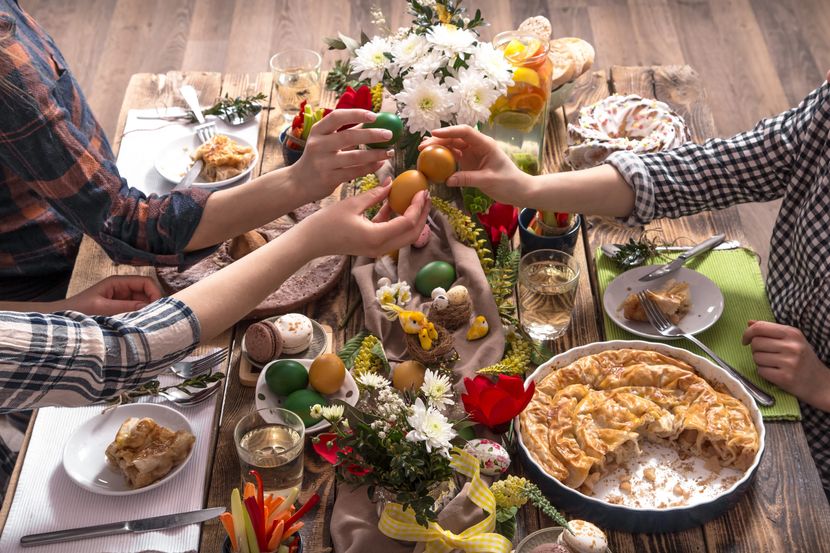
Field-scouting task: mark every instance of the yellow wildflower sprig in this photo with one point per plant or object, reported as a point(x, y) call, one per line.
point(377, 97)
point(466, 231)
point(514, 492)
point(364, 184)
point(365, 360)
point(517, 359)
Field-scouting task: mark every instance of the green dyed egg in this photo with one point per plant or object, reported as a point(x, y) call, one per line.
point(436, 274)
point(301, 402)
point(388, 121)
point(285, 376)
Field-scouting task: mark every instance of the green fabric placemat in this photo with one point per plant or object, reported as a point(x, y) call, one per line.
point(737, 274)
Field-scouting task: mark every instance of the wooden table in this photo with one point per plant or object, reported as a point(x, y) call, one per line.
point(785, 509)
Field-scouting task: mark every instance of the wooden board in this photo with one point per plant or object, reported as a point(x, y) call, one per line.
point(248, 374)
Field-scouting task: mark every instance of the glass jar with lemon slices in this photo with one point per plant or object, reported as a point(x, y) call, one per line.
point(518, 119)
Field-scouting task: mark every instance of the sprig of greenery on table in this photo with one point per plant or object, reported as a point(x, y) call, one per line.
point(154, 388)
point(502, 278)
point(229, 108)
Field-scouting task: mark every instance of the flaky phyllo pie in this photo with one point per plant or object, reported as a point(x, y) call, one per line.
point(223, 158)
point(673, 299)
point(591, 415)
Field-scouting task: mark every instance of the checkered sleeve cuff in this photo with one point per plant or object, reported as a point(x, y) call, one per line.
point(635, 172)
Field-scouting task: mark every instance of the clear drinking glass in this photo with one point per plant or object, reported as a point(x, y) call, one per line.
point(296, 78)
point(547, 291)
point(271, 441)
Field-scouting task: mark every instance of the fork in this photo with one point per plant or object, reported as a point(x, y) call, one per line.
point(189, 369)
point(665, 327)
point(180, 397)
point(206, 130)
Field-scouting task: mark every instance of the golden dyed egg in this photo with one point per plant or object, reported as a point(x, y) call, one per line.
point(408, 375)
point(404, 188)
point(327, 373)
point(436, 163)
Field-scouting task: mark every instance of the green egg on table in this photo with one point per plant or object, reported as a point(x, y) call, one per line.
point(285, 376)
point(388, 121)
point(301, 402)
point(435, 274)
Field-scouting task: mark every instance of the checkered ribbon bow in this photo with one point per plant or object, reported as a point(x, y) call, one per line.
point(479, 538)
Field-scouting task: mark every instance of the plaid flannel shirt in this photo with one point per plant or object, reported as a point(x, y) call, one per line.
point(71, 359)
point(58, 178)
point(786, 157)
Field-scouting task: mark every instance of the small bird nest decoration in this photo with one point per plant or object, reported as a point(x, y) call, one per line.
point(452, 317)
point(441, 346)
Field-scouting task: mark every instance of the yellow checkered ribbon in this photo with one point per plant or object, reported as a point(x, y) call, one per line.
point(479, 538)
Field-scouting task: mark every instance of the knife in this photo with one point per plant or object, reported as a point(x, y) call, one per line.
point(191, 175)
point(672, 266)
point(610, 250)
point(126, 527)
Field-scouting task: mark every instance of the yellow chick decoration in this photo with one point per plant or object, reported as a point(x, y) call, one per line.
point(478, 329)
point(427, 335)
point(412, 322)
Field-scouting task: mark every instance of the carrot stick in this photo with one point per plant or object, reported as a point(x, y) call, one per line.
point(227, 522)
point(293, 529)
point(250, 490)
point(276, 537)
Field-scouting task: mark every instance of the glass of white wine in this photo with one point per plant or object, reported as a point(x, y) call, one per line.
point(270, 440)
point(547, 291)
point(296, 78)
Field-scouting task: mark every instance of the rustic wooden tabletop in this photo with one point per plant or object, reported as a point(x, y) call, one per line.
point(784, 509)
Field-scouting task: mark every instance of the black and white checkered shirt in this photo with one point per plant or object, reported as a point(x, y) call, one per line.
point(70, 359)
point(787, 157)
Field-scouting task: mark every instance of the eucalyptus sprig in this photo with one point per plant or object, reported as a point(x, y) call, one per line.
point(233, 108)
point(154, 388)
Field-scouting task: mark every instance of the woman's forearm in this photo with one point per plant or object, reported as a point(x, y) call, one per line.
point(226, 296)
point(599, 191)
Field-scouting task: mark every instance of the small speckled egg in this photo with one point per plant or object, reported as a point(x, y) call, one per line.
point(423, 238)
point(458, 295)
point(492, 456)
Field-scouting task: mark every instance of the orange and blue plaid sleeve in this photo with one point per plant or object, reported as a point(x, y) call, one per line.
point(55, 158)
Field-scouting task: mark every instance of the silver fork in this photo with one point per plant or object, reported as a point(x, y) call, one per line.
point(206, 129)
point(180, 397)
point(665, 327)
point(189, 369)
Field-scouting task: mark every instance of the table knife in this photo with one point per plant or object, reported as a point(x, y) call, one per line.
point(126, 527)
point(191, 175)
point(672, 266)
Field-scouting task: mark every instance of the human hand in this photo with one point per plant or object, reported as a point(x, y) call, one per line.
point(342, 228)
point(483, 164)
point(330, 156)
point(785, 358)
point(115, 294)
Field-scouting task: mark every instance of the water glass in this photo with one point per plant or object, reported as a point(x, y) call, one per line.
point(547, 291)
point(296, 78)
point(270, 440)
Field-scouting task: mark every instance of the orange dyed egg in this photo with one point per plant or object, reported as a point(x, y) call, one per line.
point(404, 188)
point(436, 163)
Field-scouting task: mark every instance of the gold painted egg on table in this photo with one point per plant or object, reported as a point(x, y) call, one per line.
point(408, 375)
point(327, 373)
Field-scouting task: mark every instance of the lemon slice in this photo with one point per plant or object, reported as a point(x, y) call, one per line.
point(515, 50)
point(514, 120)
point(525, 75)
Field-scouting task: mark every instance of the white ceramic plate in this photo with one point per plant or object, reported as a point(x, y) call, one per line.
point(174, 159)
point(319, 344)
point(706, 297)
point(85, 461)
point(716, 488)
point(265, 398)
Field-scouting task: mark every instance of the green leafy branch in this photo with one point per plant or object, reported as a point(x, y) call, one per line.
point(232, 108)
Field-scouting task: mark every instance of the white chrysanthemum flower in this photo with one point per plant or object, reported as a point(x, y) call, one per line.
point(491, 61)
point(373, 380)
point(316, 411)
point(431, 427)
point(472, 96)
point(332, 413)
point(437, 389)
point(424, 103)
point(370, 60)
point(452, 40)
point(407, 51)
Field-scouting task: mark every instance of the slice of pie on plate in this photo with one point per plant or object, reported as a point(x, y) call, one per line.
point(673, 300)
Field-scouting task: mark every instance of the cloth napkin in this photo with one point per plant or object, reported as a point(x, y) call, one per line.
point(442, 246)
point(738, 275)
point(46, 499)
point(144, 139)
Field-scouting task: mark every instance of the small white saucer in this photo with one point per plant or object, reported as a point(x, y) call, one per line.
point(706, 299)
point(175, 159)
point(84, 457)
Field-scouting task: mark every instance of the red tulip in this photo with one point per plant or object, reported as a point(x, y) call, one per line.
point(327, 448)
point(499, 219)
point(354, 99)
point(495, 404)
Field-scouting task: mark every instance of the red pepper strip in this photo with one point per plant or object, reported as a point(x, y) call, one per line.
point(562, 219)
point(312, 501)
point(256, 521)
point(260, 499)
point(227, 522)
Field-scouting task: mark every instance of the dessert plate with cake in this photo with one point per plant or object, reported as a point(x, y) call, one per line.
point(640, 436)
point(129, 450)
point(226, 160)
point(688, 298)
